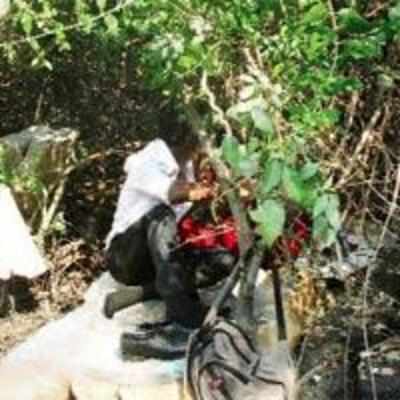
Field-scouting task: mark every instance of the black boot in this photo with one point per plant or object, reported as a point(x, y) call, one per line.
point(165, 341)
point(127, 297)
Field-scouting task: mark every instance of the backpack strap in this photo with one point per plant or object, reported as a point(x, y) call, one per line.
point(223, 294)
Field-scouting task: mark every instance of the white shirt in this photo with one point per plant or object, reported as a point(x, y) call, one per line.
point(150, 174)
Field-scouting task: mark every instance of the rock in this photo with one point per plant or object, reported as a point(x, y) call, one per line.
point(85, 388)
point(36, 159)
point(49, 153)
point(27, 263)
point(33, 381)
point(171, 391)
point(85, 345)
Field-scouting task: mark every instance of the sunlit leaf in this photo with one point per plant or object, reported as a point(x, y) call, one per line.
point(231, 151)
point(332, 212)
point(352, 21)
point(309, 170)
point(323, 233)
point(262, 120)
point(112, 24)
point(321, 205)
point(248, 166)
point(293, 185)
point(272, 175)
point(394, 12)
point(270, 217)
point(245, 107)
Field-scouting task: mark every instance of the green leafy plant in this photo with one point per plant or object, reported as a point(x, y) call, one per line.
point(265, 74)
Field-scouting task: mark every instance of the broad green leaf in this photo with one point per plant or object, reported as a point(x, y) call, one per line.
point(360, 49)
point(320, 206)
point(309, 170)
point(334, 200)
point(322, 232)
point(316, 14)
point(293, 185)
point(231, 151)
point(27, 23)
point(244, 107)
point(350, 20)
point(47, 64)
point(86, 21)
point(394, 12)
point(270, 217)
point(238, 109)
point(187, 62)
point(248, 166)
point(309, 197)
point(112, 24)
point(272, 175)
point(262, 120)
point(332, 212)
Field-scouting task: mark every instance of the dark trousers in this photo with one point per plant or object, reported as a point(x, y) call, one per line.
point(148, 252)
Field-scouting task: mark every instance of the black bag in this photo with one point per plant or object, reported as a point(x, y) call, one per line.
point(223, 364)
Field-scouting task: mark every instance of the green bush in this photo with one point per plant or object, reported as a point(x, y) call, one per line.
point(265, 75)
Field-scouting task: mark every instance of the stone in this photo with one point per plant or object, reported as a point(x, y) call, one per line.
point(86, 388)
point(85, 345)
point(49, 153)
point(171, 391)
point(33, 381)
point(37, 157)
point(28, 263)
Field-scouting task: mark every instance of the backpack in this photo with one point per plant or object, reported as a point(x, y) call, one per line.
point(223, 364)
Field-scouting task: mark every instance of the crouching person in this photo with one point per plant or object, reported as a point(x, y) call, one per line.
point(142, 247)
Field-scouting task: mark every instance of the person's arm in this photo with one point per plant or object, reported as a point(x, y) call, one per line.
point(182, 191)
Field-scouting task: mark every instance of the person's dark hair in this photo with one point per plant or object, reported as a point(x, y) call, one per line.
point(185, 146)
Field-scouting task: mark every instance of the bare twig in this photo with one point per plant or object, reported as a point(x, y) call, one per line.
point(366, 135)
point(355, 98)
point(393, 207)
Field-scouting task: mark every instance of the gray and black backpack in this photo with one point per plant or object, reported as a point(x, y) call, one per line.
point(224, 364)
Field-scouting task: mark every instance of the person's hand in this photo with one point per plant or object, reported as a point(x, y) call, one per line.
point(201, 192)
point(246, 190)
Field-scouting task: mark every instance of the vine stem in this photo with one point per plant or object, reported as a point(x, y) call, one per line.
point(213, 104)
